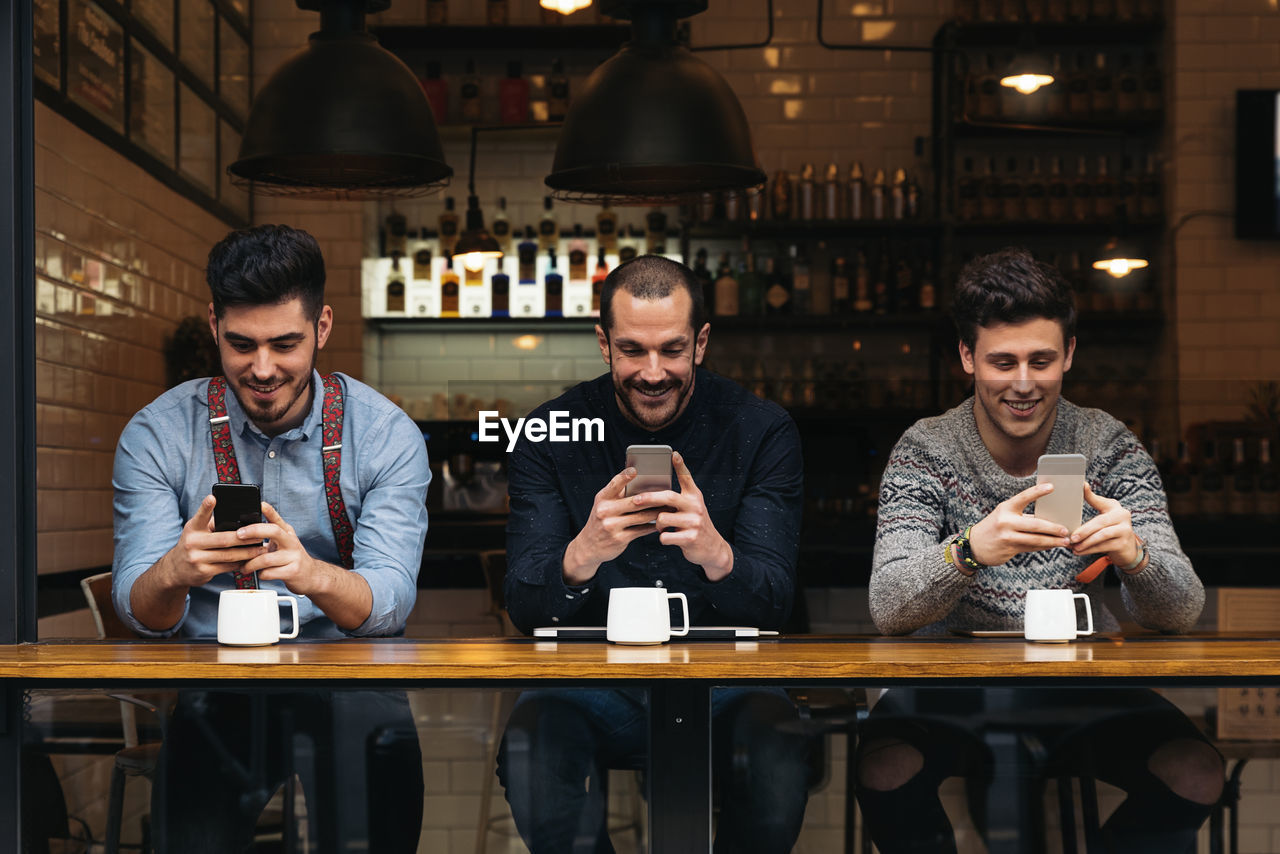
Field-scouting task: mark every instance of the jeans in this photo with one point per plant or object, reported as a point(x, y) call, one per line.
point(225, 755)
point(559, 743)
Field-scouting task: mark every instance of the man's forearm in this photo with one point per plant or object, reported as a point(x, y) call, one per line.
point(155, 600)
point(344, 596)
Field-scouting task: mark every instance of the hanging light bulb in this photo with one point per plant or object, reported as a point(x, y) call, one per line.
point(564, 7)
point(1026, 83)
point(1119, 259)
point(475, 244)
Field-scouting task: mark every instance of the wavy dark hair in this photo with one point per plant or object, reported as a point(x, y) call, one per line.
point(1009, 286)
point(266, 265)
point(652, 277)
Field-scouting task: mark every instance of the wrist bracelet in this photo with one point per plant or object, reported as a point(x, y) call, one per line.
point(1142, 556)
point(963, 552)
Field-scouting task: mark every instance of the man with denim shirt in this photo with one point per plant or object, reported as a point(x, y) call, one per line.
point(269, 321)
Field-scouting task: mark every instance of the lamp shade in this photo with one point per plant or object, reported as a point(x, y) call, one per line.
point(653, 124)
point(341, 118)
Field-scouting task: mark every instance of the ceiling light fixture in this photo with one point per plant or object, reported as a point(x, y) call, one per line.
point(1118, 259)
point(564, 7)
point(653, 124)
point(476, 245)
point(342, 118)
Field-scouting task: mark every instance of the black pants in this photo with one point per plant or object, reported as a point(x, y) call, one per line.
point(225, 755)
point(1104, 733)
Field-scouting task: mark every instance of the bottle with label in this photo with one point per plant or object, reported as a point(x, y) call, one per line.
point(801, 296)
point(527, 299)
point(1034, 198)
point(807, 191)
point(750, 286)
point(496, 13)
point(395, 298)
point(450, 288)
point(437, 13)
point(513, 95)
point(469, 104)
point(928, 290)
point(553, 287)
point(655, 232)
point(548, 231)
point(395, 235)
point(898, 194)
point(1242, 490)
point(913, 198)
point(1102, 89)
point(577, 255)
point(422, 262)
point(967, 193)
point(857, 187)
point(437, 92)
point(628, 247)
point(1058, 192)
point(474, 298)
point(1184, 485)
point(1150, 192)
point(501, 228)
point(1082, 192)
point(607, 229)
point(448, 227)
point(990, 198)
point(1012, 190)
point(831, 193)
point(1268, 501)
point(500, 289)
point(726, 301)
point(777, 294)
point(879, 187)
point(1213, 483)
point(780, 199)
point(863, 299)
point(840, 302)
point(1128, 89)
point(597, 281)
point(557, 92)
point(1104, 191)
point(577, 286)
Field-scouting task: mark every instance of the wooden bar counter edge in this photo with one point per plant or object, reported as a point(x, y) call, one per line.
point(1213, 657)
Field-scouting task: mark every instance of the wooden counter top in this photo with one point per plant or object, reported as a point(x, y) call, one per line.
point(868, 659)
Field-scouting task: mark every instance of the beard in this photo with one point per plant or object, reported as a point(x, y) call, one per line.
point(632, 395)
point(290, 389)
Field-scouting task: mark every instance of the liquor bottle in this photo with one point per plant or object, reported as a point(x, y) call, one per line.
point(840, 303)
point(501, 229)
point(726, 301)
point(395, 288)
point(1128, 89)
point(1268, 501)
point(777, 289)
point(437, 92)
point(878, 188)
point(801, 287)
point(733, 205)
point(554, 287)
point(780, 199)
point(1184, 485)
point(1213, 484)
point(496, 13)
point(1150, 192)
point(655, 232)
point(1058, 194)
point(577, 256)
point(1242, 490)
point(898, 194)
point(422, 262)
point(607, 229)
point(989, 91)
point(806, 192)
point(449, 290)
point(500, 290)
point(1102, 89)
point(1055, 100)
point(989, 203)
point(527, 253)
point(913, 198)
point(597, 282)
point(627, 249)
point(750, 286)
point(513, 95)
point(1078, 95)
point(1104, 191)
point(448, 223)
point(557, 92)
point(437, 13)
point(1152, 98)
point(857, 187)
point(1035, 200)
point(1081, 192)
point(548, 231)
point(863, 299)
point(474, 299)
point(967, 193)
point(703, 274)
point(1012, 208)
point(527, 299)
point(928, 291)
point(882, 282)
point(469, 106)
point(577, 285)
point(831, 193)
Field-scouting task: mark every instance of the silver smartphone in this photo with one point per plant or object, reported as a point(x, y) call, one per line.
point(1065, 505)
point(653, 468)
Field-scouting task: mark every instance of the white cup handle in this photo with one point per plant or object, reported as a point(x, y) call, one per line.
point(1088, 613)
point(684, 604)
point(293, 603)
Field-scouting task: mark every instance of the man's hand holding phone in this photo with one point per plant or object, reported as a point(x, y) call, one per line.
point(613, 523)
point(684, 522)
point(1007, 531)
point(203, 553)
point(1109, 533)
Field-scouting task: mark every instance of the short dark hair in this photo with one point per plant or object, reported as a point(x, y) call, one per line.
point(266, 265)
point(1010, 286)
point(652, 277)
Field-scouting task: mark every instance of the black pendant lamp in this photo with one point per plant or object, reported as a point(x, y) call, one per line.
point(653, 124)
point(342, 118)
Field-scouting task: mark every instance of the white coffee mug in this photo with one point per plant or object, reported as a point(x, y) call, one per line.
point(1050, 616)
point(641, 615)
point(252, 617)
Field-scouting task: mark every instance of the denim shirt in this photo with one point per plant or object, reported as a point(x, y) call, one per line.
point(164, 469)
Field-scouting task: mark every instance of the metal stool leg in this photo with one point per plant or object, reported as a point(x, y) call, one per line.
point(115, 810)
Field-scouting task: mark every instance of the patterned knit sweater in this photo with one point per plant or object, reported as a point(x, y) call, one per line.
point(941, 478)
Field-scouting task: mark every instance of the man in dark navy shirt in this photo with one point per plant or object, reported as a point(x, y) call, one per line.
point(727, 539)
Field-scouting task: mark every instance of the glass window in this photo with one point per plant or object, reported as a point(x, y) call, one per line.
point(46, 44)
point(151, 119)
point(233, 69)
point(232, 196)
point(157, 15)
point(196, 158)
point(95, 69)
point(195, 47)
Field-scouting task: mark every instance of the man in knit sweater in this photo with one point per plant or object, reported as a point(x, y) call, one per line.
point(957, 549)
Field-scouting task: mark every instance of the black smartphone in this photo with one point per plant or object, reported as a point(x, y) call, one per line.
point(239, 504)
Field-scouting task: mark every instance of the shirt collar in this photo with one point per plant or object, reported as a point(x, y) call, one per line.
point(241, 424)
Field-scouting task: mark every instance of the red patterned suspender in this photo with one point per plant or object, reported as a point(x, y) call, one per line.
point(331, 453)
point(224, 457)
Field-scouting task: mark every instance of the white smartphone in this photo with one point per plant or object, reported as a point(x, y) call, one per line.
point(653, 468)
point(1065, 505)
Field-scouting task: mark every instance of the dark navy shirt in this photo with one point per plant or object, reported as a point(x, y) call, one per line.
point(744, 454)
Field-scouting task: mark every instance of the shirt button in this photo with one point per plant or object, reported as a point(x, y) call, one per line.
point(657, 584)
point(271, 454)
point(568, 595)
